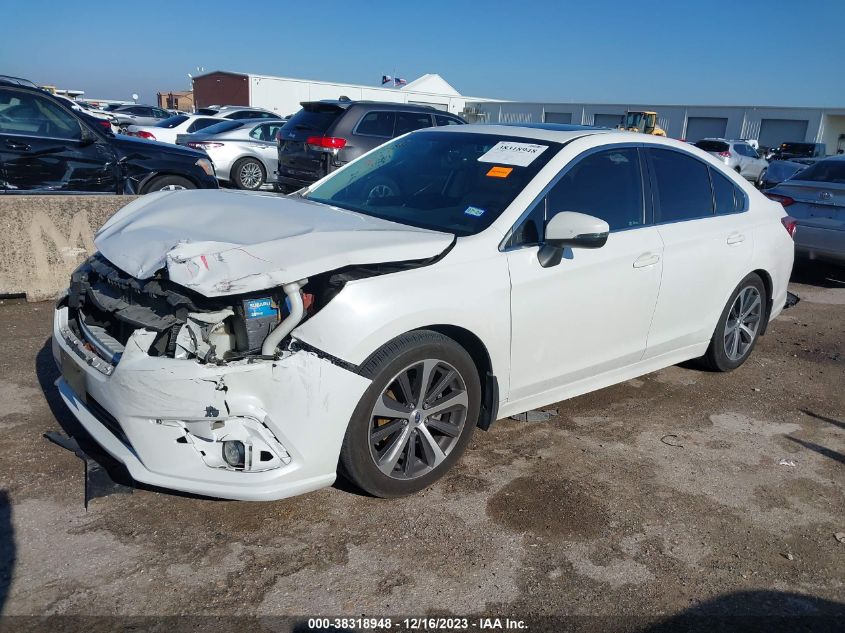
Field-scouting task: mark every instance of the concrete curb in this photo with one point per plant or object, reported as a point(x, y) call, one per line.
point(44, 238)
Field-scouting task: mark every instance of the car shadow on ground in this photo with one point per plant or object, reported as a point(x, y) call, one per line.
point(8, 549)
point(821, 274)
point(756, 612)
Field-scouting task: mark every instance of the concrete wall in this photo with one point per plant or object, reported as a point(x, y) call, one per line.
point(44, 238)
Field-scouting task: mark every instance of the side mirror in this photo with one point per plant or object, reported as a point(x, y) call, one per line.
point(568, 229)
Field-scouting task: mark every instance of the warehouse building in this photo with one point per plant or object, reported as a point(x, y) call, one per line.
point(284, 94)
point(770, 126)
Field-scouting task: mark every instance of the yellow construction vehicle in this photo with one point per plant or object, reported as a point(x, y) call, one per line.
point(642, 121)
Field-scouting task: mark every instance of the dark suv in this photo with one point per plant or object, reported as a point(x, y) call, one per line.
point(47, 147)
point(325, 135)
point(798, 150)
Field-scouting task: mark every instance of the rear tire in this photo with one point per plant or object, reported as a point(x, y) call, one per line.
point(168, 183)
point(249, 174)
point(413, 444)
point(739, 326)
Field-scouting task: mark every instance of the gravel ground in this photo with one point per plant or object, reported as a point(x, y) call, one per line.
point(681, 492)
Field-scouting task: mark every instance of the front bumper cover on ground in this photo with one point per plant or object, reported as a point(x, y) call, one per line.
point(144, 411)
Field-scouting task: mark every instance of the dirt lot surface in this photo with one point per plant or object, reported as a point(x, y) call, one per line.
point(679, 492)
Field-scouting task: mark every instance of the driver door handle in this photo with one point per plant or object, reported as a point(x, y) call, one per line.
point(646, 259)
point(21, 147)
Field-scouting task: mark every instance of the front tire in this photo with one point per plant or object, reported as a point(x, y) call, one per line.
point(739, 326)
point(416, 418)
point(168, 183)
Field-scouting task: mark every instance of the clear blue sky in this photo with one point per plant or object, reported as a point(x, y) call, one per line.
point(757, 52)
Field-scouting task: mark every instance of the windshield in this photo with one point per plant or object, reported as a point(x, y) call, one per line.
point(455, 182)
point(223, 126)
point(172, 121)
point(832, 171)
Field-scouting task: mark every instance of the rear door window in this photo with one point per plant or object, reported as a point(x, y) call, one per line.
point(606, 185)
point(410, 121)
point(682, 186)
point(377, 124)
point(442, 119)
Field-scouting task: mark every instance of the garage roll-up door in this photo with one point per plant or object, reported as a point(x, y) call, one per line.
point(558, 117)
point(699, 127)
point(607, 120)
point(773, 132)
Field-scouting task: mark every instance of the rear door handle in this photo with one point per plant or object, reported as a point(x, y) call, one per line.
point(735, 238)
point(646, 259)
point(21, 147)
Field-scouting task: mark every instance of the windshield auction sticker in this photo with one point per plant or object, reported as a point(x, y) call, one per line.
point(509, 153)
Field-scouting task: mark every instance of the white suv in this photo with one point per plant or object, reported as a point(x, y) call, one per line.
point(737, 155)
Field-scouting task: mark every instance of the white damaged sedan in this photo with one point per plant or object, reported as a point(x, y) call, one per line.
point(251, 346)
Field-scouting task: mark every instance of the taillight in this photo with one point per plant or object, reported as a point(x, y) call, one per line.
point(105, 123)
point(784, 200)
point(725, 154)
point(326, 142)
point(145, 134)
point(790, 224)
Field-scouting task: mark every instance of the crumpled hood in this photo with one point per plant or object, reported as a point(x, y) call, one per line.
point(220, 242)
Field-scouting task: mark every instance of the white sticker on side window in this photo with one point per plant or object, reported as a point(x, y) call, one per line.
point(509, 153)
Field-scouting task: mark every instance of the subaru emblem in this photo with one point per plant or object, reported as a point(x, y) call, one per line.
point(825, 195)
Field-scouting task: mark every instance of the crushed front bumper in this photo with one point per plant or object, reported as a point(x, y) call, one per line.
point(165, 419)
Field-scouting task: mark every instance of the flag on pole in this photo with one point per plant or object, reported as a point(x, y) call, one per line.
point(398, 81)
point(386, 79)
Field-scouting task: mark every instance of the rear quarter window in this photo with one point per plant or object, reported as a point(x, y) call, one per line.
point(727, 197)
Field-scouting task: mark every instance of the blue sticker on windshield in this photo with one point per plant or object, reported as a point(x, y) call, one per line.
point(474, 211)
point(259, 308)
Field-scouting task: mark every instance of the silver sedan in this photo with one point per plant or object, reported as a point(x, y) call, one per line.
point(243, 151)
point(814, 198)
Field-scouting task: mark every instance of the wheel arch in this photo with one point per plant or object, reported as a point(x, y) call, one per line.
point(767, 283)
point(145, 183)
point(481, 357)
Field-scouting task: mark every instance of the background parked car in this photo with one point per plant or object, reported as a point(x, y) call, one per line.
point(238, 112)
point(797, 150)
point(737, 155)
point(166, 131)
point(815, 200)
point(47, 146)
point(326, 135)
point(139, 115)
point(103, 118)
point(780, 170)
point(243, 152)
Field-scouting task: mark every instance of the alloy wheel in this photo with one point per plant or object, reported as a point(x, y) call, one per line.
point(250, 175)
point(742, 323)
point(172, 188)
point(418, 419)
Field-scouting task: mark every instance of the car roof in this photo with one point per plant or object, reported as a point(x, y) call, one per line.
point(385, 105)
point(554, 132)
